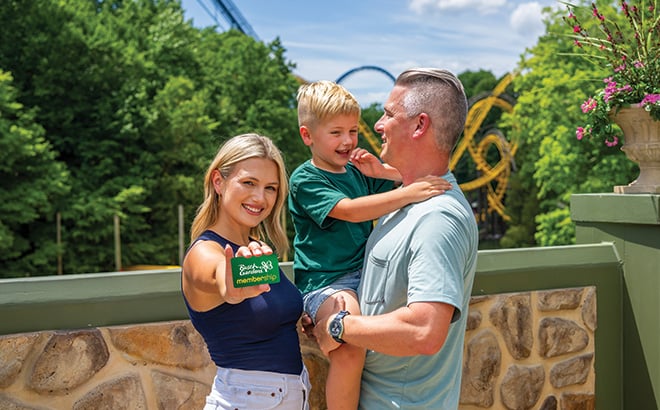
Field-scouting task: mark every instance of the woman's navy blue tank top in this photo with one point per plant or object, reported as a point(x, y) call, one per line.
point(256, 334)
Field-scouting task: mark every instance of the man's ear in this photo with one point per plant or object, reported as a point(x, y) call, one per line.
point(423, 124)
point(305, 134)
point(218, 181)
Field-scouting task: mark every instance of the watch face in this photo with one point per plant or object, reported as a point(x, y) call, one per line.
point(335, 328)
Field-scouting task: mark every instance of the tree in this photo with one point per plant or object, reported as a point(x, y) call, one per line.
point(135, 102)
point(32, 182)
point(552, 163)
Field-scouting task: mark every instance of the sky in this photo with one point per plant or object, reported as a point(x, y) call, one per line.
point(326, 39)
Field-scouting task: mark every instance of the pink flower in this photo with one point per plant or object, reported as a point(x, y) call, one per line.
point(610, 89)
point(597, 14)
point(651, 99)
point(611, 143)
point(631, 54)
point(589, 105)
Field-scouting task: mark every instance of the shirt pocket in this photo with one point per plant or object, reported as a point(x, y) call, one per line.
point(374, 280)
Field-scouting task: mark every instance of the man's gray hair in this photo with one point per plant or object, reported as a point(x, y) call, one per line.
point(440, 94)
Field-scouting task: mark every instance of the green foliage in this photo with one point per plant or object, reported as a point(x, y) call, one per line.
point(551, 163)
point(370, 115)
point(116, 108)
point(32, 182)
point(555, 228)
point(522, 207)
point(477, 82)
point(135, 102)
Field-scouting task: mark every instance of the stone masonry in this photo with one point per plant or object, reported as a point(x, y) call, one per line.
point(530, 350)
point(522, 351)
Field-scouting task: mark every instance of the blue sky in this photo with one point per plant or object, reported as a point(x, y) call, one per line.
point(325, 39)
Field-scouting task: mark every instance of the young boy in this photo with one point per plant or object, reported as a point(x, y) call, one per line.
point(333, 206)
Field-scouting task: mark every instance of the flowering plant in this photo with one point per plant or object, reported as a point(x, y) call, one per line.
point(632, 55)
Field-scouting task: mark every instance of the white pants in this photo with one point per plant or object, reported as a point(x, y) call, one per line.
point(235, 389)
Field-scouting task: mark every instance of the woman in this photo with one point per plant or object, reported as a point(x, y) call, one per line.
point(250, 332)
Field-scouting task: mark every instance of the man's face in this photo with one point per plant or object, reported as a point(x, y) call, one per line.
point(395, 129)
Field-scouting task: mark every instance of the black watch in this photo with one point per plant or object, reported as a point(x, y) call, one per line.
point(336, 326)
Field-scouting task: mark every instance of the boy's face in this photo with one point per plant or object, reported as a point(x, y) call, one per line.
point(332, 141)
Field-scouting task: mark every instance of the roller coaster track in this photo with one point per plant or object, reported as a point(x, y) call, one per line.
point(233, 15)
point(494, 178)
point(362, 68)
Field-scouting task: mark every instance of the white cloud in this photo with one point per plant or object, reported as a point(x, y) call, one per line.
point(527, 20)
point(480, 6)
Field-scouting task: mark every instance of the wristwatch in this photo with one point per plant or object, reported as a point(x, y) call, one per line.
point(336, 326)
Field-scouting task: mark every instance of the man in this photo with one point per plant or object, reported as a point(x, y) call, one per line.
point(420, 260)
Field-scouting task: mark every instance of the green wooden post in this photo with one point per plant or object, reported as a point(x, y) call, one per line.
point(632, 223)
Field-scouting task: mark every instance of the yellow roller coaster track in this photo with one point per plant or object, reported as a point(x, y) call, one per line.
point(494, 178)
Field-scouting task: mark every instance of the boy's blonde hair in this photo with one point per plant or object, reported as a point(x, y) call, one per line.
point(323, 99)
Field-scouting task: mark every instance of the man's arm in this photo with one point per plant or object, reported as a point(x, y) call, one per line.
point(419, 328)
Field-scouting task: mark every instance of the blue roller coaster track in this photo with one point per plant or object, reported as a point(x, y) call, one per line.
point(235, 18)
point(362, 68)
point(233, 15)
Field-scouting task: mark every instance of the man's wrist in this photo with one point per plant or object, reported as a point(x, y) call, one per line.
point(336, 326)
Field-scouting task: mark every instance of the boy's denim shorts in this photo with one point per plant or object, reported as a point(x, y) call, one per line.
point(314, 299)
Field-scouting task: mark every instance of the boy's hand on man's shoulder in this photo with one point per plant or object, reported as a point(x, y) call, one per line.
point(367, 163)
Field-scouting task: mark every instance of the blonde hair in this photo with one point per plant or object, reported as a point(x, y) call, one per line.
point(233, 151)
point(323, 99)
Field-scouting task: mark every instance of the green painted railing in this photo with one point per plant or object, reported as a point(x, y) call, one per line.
point(106, 299)
point(632, 223)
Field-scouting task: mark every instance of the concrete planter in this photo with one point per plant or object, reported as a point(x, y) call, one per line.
point(641, 145)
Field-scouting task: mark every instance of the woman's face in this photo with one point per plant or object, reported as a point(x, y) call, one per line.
point(249, 193)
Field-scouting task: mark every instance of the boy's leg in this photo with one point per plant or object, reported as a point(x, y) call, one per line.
point(342, 390)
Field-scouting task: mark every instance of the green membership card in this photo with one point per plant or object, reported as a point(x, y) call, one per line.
point(255, 270)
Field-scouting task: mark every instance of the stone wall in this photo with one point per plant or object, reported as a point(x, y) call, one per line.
point(522, 351)
point(531, 351)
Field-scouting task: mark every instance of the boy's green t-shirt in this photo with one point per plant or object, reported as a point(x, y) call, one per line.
point(326, 248)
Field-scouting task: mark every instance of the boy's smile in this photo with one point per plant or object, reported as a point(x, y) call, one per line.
point(332, 141)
